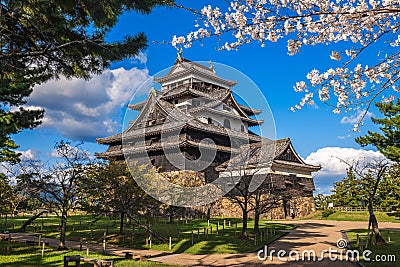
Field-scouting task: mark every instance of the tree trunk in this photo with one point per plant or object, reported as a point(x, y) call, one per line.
point(149, 231)
point(378, 237)
point(375, 229)
point(256, 221)
point(257, 213)
point(63, 229)
point(31, 220)
point(245, 220)
point(208, 215)
point(170, 214)
point(121, 223)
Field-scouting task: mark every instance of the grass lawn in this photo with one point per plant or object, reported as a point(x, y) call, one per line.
point(22, 255)
point(391, 248)
point(359, 216)
point(226, 241)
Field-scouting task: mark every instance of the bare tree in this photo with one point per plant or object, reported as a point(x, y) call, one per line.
point(56, 186)
point(242, 171)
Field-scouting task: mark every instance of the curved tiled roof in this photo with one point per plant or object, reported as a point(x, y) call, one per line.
point(189, 67)
point(267, 151)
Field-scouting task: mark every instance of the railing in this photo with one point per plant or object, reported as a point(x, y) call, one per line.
point(360, 209)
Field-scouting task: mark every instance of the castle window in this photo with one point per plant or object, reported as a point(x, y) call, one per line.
point(209, 120)
point(227, 124)
point(242, 128)
point(176, 101)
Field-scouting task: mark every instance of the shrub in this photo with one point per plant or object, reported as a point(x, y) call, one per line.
point(327, 212)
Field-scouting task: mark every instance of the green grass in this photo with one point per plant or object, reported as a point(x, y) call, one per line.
point(22, 255)
point(391, 248)
point(226, 241)
point(358, 216)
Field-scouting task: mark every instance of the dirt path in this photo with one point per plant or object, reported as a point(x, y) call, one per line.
point(315, 235)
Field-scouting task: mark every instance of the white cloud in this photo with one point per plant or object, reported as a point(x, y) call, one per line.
point(333, 169)
point(84, 110)
point(356, 118)
point(141, 57)
point(330, 158)
point(28, 154)
point(344, 136)
point(13, 170)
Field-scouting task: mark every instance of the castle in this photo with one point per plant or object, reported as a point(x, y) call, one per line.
point(195, 124)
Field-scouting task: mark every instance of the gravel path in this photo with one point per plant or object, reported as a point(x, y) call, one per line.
point(315, 235)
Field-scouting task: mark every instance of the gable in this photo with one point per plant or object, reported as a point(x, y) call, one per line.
point(152, 113)
point(289, 155)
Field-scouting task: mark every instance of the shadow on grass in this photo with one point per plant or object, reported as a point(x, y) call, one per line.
point(22, 255)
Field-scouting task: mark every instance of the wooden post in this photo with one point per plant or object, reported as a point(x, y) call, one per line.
point(104, 245)
point(150, 242)
point(229, 223)
point(217, 228)
point(80, 244)
point(207, 233)
point(87, 248)
point(192, 238)
point(208, 223)
point(39, 238)
point(358, 240)
point(73, 227)
point(388, 236)
point(170, 243)
point(224, 225)
point(43, 244)
point(198, 233)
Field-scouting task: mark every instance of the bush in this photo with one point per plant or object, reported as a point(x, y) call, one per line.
point(327, 212)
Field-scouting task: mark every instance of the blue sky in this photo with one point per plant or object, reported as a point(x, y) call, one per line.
point(80, 111)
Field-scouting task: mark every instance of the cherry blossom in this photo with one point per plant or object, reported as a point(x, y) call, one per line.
point(362, 25)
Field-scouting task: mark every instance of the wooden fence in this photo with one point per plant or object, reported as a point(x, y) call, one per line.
point(359, 209)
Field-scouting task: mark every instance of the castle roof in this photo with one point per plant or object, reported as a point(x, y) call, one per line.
point(278, 152)
point(185, 68)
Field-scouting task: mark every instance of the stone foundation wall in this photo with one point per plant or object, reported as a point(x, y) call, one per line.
point(300, 207)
